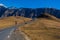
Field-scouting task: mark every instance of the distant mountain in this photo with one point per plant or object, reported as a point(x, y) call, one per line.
point(27, 12)
point(2, 10)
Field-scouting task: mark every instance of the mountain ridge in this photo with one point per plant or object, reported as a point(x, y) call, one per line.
point(28, 12)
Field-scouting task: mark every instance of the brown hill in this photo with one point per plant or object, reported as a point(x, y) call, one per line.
point(43, 28)
point(10, 21)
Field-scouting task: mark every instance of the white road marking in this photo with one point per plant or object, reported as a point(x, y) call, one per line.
point(8, 36)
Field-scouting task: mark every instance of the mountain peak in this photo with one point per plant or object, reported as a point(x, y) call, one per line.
point(2, 5)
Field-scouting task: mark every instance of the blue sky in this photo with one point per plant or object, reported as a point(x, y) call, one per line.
point(32, 3)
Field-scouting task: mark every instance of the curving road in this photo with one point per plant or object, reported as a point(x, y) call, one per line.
point(6, 33)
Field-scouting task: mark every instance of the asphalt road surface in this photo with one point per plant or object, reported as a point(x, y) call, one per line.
point(6, 33)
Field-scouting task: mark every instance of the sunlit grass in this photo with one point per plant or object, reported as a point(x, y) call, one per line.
point(42, 29)
point(10, 21)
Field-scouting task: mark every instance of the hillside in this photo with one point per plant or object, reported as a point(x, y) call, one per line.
point(26, 12)
point(43, 29)
point(10, 21)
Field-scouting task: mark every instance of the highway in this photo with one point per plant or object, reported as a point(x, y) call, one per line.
point(5, 34)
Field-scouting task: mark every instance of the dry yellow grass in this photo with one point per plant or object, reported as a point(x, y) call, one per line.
point(42, 29)
point(10, 21)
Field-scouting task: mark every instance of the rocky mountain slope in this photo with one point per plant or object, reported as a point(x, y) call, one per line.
point(27, 12)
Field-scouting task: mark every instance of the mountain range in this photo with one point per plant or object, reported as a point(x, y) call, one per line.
point(28, 12)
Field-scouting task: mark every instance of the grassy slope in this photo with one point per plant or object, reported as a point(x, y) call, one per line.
point(10, 21)
point(42, 29)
